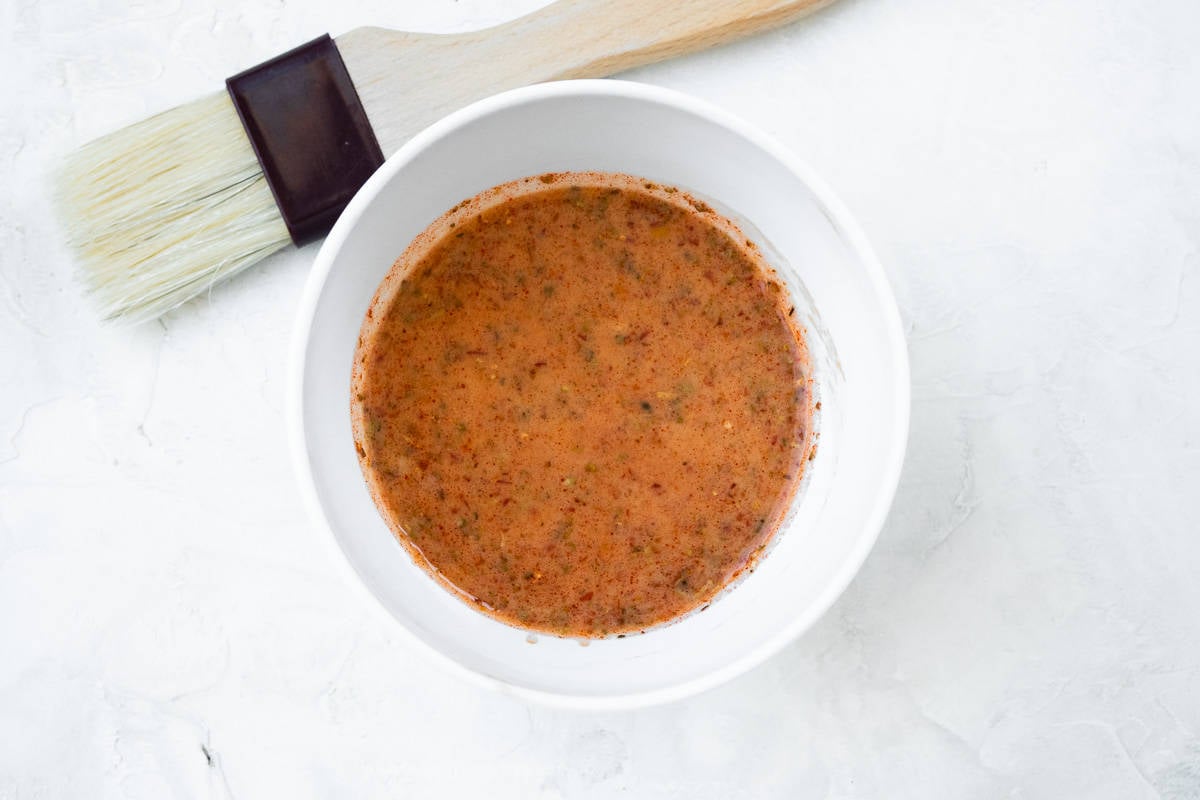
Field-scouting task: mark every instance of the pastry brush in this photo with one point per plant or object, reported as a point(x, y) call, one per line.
point(160, 211)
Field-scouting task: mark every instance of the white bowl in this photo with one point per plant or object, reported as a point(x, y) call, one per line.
point(854, 329)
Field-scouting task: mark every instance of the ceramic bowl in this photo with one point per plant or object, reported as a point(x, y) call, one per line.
point(853, 329)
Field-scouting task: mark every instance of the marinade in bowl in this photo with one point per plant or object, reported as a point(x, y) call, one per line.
point(581, 401)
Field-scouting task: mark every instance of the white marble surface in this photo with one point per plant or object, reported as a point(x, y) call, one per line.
point(1027, 627)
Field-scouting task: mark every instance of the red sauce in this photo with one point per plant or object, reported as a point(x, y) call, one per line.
point(579, 401)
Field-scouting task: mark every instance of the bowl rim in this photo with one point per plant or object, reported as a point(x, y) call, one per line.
point(841, 218)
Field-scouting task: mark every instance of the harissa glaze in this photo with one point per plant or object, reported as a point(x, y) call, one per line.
point(580, 401)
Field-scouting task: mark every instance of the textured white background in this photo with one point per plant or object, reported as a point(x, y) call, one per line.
point(1028, 626)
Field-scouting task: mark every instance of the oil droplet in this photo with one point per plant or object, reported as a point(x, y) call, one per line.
point(531, 638)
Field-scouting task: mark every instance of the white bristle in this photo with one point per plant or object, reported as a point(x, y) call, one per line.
point(160, 211)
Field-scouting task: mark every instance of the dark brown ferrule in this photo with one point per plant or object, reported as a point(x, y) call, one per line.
point(310, 133)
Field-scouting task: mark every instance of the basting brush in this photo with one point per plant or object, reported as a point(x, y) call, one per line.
point(160, 211)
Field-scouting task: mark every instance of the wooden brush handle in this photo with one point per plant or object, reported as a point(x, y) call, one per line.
point(594, 38)
point(407, 80)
